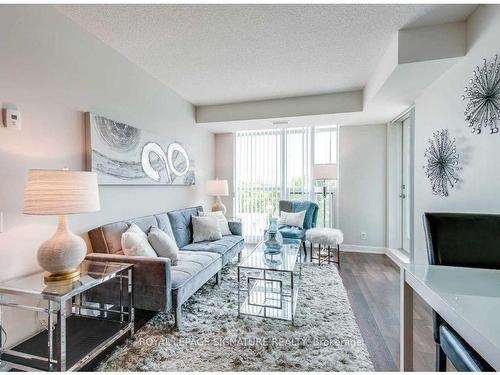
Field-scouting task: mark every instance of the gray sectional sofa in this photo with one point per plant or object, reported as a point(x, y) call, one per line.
point(160, 285)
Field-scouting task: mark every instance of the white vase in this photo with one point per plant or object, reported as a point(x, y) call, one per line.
point(62, 253)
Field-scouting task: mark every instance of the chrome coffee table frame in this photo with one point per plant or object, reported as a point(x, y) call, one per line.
point(269, 289)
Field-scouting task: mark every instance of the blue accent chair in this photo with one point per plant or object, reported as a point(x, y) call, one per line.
point(310, 219)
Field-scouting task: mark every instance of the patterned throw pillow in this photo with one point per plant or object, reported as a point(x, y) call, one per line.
point(223, 225)
point(205, 228)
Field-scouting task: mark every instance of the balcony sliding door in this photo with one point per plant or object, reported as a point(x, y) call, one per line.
point(277, 164)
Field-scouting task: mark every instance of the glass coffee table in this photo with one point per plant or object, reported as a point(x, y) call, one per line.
point(268, 285)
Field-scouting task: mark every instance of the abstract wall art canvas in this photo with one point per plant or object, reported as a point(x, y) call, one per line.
point(124, 155)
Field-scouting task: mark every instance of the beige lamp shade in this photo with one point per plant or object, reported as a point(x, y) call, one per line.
point(217, 188)
point(325, 171)
point(60, 192)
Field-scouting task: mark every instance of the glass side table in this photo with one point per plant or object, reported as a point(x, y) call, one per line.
point(268, 285)
point(77, 330)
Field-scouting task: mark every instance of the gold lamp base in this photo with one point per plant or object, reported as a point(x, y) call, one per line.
point(70, 275)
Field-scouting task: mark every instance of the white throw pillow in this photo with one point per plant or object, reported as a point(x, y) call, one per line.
point(163, 244)
point(205, 228)
point(136, 244)
point(293, 219)
point(134, 228)
point(223, 224)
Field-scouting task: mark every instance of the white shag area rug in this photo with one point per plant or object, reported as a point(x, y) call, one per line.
point(325, 336)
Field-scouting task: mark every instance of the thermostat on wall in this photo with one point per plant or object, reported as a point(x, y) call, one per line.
point(12, 119)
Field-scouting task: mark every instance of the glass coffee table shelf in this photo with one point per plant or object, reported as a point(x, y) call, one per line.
point(268, 286)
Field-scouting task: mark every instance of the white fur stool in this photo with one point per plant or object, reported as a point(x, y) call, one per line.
point(326, 238)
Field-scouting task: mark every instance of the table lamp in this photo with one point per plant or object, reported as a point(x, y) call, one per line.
point(325, 172)
point(218, 188)
point(61, 192)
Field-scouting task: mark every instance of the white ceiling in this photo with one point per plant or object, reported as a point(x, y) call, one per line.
point(213, 54)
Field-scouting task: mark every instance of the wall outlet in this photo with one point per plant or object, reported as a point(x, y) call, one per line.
point(363, 235)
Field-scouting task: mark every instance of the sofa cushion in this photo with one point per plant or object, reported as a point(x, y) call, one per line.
point(228, 247)
point(291, 232)
point(164, 224)
point(145, 222)
point(219, 246)
point(189, 264)
point(112, 233)
point(180, 221)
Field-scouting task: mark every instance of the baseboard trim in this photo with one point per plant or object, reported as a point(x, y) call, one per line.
point(396, 255)
point(363, 249)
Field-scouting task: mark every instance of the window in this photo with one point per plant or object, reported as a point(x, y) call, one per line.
point(325, 152)
point(297, 163)
point(325, 144)
point(276, 164)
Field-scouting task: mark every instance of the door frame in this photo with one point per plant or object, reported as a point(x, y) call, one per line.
point(394, 208)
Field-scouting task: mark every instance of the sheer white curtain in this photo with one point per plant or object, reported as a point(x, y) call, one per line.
point(298, 178)
point(258, 175)
point(270, 165)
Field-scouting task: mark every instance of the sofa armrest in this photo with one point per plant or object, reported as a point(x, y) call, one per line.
point(235, 227)
point(152, 279)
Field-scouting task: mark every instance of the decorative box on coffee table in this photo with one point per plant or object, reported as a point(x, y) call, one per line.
point(73, 331)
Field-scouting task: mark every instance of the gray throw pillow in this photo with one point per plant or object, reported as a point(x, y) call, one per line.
point(163, 244)
point(205, 228)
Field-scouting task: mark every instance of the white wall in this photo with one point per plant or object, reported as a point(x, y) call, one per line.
point(224, 144)
point(53, 71)
point(362, 188)
point(440, 107)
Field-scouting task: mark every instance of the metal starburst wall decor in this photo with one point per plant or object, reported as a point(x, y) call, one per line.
point(442, 162)
point(483, 93)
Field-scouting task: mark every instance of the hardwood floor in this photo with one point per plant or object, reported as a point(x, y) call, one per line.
point(372, 284)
